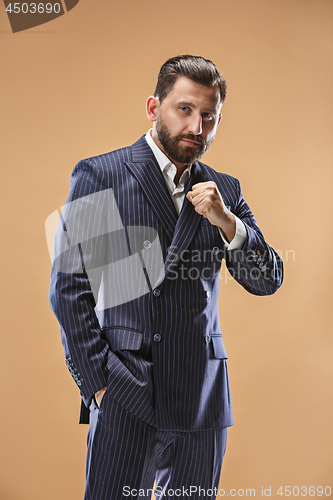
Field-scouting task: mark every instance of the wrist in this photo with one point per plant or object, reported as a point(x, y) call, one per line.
point(227, 224)
point(99, 396)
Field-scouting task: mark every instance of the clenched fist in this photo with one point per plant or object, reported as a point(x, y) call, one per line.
point(207, 201)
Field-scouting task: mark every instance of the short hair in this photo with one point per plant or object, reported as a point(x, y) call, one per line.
point(196, 68)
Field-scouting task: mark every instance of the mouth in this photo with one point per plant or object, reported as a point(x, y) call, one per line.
point(191, 143)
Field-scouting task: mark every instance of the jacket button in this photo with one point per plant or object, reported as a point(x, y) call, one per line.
point(215, 250)
point(146, 244)
point(208, 294)
point(157, 292)
point(207, 339)
point(157, 337)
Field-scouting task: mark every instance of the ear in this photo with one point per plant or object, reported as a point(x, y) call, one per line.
point(152, 106)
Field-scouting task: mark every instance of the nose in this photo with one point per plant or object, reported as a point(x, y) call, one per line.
point(195, 125)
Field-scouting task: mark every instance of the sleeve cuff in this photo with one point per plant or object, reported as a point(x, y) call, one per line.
point(237, 242)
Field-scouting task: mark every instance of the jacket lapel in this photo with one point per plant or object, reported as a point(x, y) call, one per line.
point(180, 230)
point(187, 223)
point(148, 173)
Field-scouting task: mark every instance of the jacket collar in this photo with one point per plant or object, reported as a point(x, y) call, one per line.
point(146, 170)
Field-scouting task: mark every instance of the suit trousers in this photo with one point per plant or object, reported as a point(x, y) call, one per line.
point(126, 455)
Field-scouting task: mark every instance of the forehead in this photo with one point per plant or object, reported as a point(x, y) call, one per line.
point(186, 90)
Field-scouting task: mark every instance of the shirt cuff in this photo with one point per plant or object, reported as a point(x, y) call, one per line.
point(239, 238)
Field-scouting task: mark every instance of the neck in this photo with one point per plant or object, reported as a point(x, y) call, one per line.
point(179, 173)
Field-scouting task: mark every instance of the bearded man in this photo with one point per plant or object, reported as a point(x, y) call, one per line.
point(140, 325)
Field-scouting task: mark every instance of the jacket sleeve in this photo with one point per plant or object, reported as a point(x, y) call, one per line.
point(256, 266)
point(71, 295)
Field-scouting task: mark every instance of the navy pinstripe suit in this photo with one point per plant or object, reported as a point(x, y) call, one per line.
point(176, 380)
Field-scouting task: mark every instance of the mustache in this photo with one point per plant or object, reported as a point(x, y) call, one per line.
point(191, 137)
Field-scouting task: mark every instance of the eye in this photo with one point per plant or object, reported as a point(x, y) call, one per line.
point(207, 116)
point(184, 108)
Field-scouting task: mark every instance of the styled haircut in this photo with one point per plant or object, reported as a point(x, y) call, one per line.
point(196, 68)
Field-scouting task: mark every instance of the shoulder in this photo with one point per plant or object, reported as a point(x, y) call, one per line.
point(108, 159)
point(105, 164)
point(108, 168)
point(95, 173)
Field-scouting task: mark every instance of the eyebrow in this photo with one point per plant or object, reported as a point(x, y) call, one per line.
point(187, 103)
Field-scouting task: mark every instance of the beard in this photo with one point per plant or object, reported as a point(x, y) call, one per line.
point(178, 152)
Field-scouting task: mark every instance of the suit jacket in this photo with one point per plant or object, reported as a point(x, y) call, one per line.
point(160, 354)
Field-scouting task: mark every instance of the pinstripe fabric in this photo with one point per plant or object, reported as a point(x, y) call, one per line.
point(125, 455)
point(180, 382)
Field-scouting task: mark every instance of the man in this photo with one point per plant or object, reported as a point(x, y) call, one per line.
point(146, 349)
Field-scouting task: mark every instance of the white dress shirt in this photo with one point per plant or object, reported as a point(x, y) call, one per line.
point(177, 193)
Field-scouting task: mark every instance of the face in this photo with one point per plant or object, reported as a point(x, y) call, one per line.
point(186, 121)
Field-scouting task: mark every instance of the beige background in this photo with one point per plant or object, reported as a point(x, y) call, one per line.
point(76, 87)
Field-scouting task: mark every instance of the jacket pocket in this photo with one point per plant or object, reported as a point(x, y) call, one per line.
point(121, 339)
point(218, 346)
